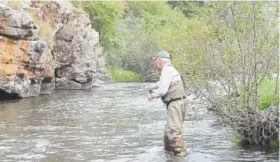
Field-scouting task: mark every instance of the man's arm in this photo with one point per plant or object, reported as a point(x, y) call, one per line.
point(164, 83)
point(155, 86)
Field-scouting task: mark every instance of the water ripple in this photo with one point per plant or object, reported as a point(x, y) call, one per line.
point(113, 123)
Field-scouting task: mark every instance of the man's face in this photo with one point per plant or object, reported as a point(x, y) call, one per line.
point(158, 63)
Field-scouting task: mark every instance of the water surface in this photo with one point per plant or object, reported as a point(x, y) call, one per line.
point(110, 123)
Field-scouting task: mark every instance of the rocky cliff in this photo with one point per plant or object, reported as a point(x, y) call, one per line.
point(46, 46)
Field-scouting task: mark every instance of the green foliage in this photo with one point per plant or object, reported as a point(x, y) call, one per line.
point(120, 75)
point(237, 142)
point(268, 94)
point(132, 32)
point(189, 8)
point(104, 16)
point(193, 33)
point(273, 143)
point(242, 50)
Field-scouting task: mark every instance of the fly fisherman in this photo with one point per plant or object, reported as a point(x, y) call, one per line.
point(171, 90)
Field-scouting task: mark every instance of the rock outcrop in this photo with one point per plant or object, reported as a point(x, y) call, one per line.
point(47, 46)
point(77, 50)
point(24, 58)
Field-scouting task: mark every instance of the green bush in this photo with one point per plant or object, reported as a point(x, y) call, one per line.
point(120, 75)
point(104, 17)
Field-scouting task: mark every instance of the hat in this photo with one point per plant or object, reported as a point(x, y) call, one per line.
point(162, 54)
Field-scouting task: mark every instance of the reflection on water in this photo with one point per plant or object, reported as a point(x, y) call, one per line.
point(111, 123)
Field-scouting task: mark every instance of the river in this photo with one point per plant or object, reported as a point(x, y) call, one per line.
point(112, 123)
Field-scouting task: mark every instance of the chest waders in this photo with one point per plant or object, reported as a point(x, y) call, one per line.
point(175, 104)
point(175, 92)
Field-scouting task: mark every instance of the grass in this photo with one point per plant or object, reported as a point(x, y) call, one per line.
point(119, 75)
point(273, 143)
point(45, 27)
point(266, 93)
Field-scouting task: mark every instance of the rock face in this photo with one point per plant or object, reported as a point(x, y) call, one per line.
point(17, 25)
point(77, 50)
point(24, 58)
point(34, 60)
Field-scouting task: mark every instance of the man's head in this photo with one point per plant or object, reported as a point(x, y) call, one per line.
point(161, 58)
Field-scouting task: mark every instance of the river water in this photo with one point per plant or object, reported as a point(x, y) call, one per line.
point(112, 123)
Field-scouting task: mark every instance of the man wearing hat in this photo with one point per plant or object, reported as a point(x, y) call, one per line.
point(171, 90)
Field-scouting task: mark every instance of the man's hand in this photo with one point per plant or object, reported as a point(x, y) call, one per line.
point(149, 96)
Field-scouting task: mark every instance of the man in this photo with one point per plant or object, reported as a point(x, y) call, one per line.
point(171, 90)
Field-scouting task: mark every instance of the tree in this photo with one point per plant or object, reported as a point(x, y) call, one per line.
point(239, 55)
